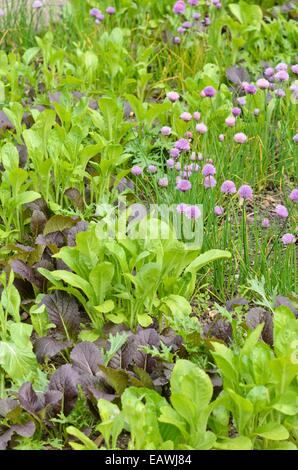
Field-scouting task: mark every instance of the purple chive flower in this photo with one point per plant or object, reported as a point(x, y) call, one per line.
point(294, 195)
point(163, 182)
point(186, 117)
point(111, 11)
point(294, 88)
point(262, 83)
point(187, 25)
point(256, 111)
point(240, 138)
point(236, 111)
point(178, 166)
point(94, 12)
point(269, 72)
point(288, 239)
point(99, 19)
point(188, 135)
point(281, 66)
point(196, 16)
point(241, 100)
point(250, 89)
point(37, 4)
point(174, 153)
point(228, 187)
point(281, 211)
point(165, 130)
point(294, 69)
point(230, 121)
point(281, 76)
point(152, 169)
point(209, 92)
point(197, 116)
point(207, 21)
point(280, 93)
point(221, 137)
point(218, 211)
point(181, 208)
point(244, 85)
point(245, 192)
point(2, 12)
point(182, 144)
point(183, 185)
point(181, 30)
point(176, 40)
point(265, 223)
point(201, 128)
point(193, 212)
point(179, 7)
point(136, 170)
point(209, 182)
point(173, 96)
point(193, 3)
point(295, 138)
point(208, 170)
point(170, 163)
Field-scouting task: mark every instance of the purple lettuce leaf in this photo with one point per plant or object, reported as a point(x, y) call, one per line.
point(47, 347)
point(7, 405)
point(66, 380)
point(63, 311)
point(30, 400)
point(86, 358)
point(23, 430)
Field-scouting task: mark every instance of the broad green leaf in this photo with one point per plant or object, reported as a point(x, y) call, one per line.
point(106, 307)
point(237, 443)
point(87, 443)
point(144, 320)
point(112, 422)
point(89, 335)
point(252, 340)
point(74, 280)
point(285, 331)
point(225, 361)
point(206, 258)
point(26, 197)
point(242, 410)
point(288, 403)
point(177, 304)
point(170, 416)
point(273, 431)
point(9, 156)
point(117, 318)
point(147, 280)
point(29, 54)
point(100, 279)
point(16, 355)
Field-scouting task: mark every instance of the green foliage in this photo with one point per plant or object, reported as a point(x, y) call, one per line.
point(165, 273)
point(16, 354)
point(259, 390)
point(259, 384)
point(179, 425)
